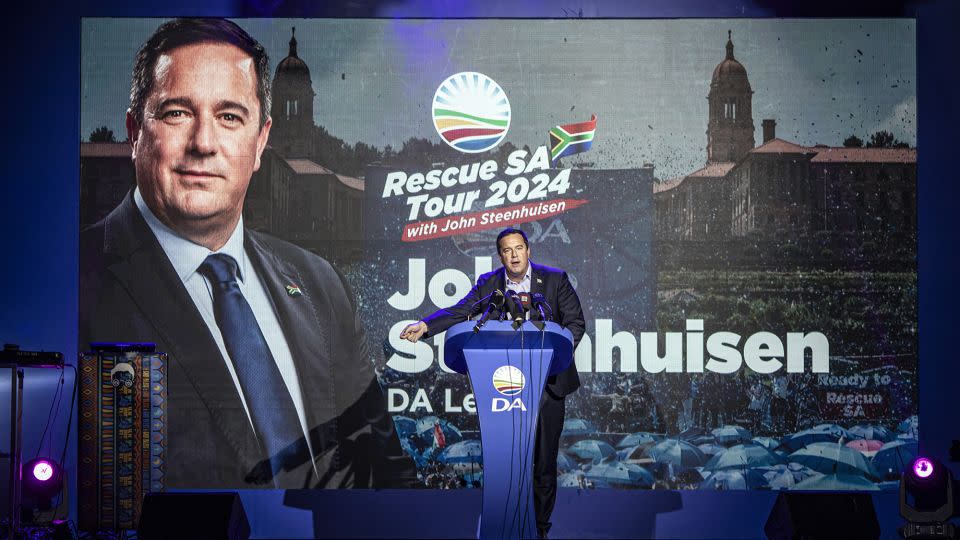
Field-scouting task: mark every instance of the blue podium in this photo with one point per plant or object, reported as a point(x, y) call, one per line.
point(508, 369)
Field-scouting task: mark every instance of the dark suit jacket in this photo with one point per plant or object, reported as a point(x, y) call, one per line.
point(556, 289)
point(129, 291)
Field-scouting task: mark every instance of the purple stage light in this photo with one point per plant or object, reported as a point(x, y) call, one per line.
point(43, 470)
point(922, 467)
point(42, 481)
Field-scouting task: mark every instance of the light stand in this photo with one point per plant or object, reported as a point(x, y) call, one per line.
point(931, 487)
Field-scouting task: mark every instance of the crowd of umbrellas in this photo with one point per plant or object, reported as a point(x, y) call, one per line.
point(444, 458)
point(825, 457)
point(830, 457)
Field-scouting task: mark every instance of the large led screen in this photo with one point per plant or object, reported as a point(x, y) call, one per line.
point(733, 201)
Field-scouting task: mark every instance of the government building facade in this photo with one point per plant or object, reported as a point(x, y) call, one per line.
point(821, 198)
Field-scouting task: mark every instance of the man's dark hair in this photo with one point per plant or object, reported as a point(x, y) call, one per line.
point(180, 32)
point(508, 231)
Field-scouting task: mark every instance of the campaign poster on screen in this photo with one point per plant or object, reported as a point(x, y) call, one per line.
point(734, 202)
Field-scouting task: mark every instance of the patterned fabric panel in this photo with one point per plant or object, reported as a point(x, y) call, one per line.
point(122, 436)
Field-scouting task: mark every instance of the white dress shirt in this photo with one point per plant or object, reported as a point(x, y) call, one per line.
point(186, 258)
point(522, 286)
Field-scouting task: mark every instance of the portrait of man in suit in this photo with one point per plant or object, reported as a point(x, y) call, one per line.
point(269, 381)
point(520, 275)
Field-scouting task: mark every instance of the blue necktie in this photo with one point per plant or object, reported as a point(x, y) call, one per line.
point(271, 407)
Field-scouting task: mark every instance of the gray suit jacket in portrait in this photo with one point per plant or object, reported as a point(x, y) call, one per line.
point(129, 291)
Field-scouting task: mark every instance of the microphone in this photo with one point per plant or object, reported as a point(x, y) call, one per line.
point(496, 303)
point(536, 300)
point(539, 301)
point(525, 302)
point(497, 299)
point(516, 308)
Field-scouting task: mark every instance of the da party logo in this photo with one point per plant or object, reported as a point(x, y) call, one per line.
point(471, 112)
point(508, 380)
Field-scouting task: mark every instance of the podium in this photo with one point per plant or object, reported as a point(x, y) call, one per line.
point(508, 370)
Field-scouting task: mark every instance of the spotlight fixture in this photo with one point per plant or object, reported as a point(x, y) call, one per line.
point(43, 470)
point(923, 467)
point(927, 500)
point(41, 481)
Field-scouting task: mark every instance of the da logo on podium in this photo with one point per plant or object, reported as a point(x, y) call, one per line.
point(509, 381)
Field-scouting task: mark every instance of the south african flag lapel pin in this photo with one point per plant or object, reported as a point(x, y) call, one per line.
point(294, 290)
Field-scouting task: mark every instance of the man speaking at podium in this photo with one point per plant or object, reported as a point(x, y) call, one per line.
point(521, 276)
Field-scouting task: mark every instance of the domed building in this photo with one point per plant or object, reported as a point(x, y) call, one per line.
point(292, 109)
point(697, 205)
point(835, 197)
point(292, 195)
point(730, 128)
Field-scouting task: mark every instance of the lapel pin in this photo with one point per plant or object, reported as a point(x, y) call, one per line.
point(293, 290)
point(539, 280)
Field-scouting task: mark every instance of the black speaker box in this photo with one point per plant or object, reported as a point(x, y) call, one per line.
point(815, 516)
point(188, 516)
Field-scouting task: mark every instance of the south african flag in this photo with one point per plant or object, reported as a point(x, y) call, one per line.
point(570, 139)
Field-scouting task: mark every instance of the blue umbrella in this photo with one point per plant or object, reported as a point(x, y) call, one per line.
point(640, 437)
point(690, 478)
point(678, 453)
point(711, 449)
point(405, 425)
point(702, 439)
point(564, 463)
point(733, 479)
point(619, 475)
point(591, 450)
point(894, 457)
point(832, 458)
point(785, 476)
point(798, 440)
point(873, 432)
point(729, 434)
point(743, 456)
point(836, 482)
point(467, 451)
point(633, 454)
point(818, 434)
point(836, 429)
point(696, 435)
point(577, 426)
point(769, 443)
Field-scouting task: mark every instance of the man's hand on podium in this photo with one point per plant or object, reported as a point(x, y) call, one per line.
point(413, 332)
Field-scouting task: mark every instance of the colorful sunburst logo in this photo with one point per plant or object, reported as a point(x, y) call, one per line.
point(471, 112)
point(508, 380)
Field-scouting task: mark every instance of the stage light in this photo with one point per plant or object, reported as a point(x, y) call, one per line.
point(41, 482)
point(923, 467)
point(43, 470)
point(927, 500)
